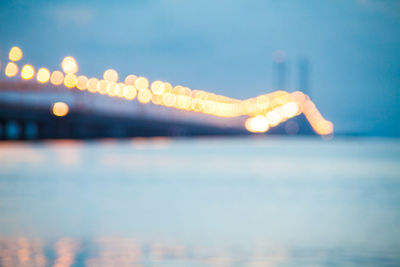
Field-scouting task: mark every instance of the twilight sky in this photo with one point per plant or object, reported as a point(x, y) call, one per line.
point(353, 47)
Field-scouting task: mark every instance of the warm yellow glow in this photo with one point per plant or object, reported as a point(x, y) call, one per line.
point(299, 97)
point(69, 65)
point(169, 99)
point(92, 85)
point(70, 80)
point(130, 92)
point(157, 87)
point(267, 110)
point(141, 83)
point(144, 96)
point(43, 75)
point(156, 99)
point(82, 82)
point(111, 90)
point(120, 89)
point(167, 88)
point(27, 72)
point(110, 75)
point(60, 109)
point(11, 69)
point(258, 124)
point(197, 105)
point(130, 79)
point(15, 54)
point(184, 102)
point(289, 110)
point(178, 90)
point(102, 87)
point(57, 77)
point(273, 117)
point(323, 127)
point(262, 102)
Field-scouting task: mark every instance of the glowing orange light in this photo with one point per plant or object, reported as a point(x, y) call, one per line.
point(141, 83)
point(69, 65)
point(323, 127)
point(102, 87)
point(57, 77)
point(289, 110)
point(184, 102)
point(70, 80)
point(156, 99)
point(158, 87)
point(120, 89)
point(271, 109)
point(82, 82)
point(110, 75)
point(111, 90)
point(262, 102)
point(130, 92)
point(144, 96)
point(15, 54)
point(178, 90)
point(299, 97)
point(27, 72)
point(43, 75)
point(258, 124)
point(92, 85)
point(60, 109)
point(130, 79)
point(11, 69)
point(197, 105)
point(169, 99)
point(273, 117)
point(167, 88)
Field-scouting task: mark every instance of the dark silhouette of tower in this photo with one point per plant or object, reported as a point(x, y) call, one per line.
point(304, 76)
point(279, 70)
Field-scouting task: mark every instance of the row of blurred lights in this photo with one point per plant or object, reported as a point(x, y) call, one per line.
point(265, 111)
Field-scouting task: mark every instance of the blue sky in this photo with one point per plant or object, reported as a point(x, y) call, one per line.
point(226, 46)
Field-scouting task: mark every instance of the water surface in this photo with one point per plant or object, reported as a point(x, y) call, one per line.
point(196, 202)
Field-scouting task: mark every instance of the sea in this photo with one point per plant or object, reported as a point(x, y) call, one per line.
point(261, 201)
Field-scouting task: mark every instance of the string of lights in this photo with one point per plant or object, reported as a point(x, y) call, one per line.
point(264, 111)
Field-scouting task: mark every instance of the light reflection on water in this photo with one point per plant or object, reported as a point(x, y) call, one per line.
point(196, 202)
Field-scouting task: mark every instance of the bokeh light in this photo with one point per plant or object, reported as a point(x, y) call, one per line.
point(11, 69)
point(273, 118)
point(264, 111)
point(27, 72)
point(110, 75)
point(15, 54)
point(258, 124)
point(69, 65)
point(169, 99)
point(141, 83)
point(70, 80)
point(92, 85)
point(144, 96)
point(289, 110)
point(102, 87)
point(130, 92)
point(130, 79)
point(43, 75)
point(60, 109)
point(57, 77)
point(157, 87)
point(82, 82)
point(111, 90)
